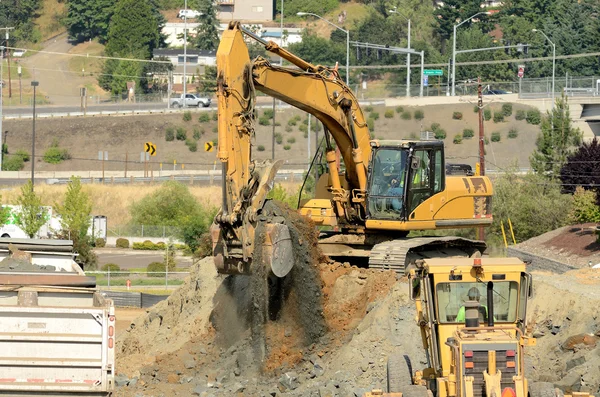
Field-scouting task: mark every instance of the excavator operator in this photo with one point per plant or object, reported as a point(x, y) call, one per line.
point(473, 295)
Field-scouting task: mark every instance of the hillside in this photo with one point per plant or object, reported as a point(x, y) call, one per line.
point(84, 137)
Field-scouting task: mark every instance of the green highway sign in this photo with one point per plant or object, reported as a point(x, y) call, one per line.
point(433, 72)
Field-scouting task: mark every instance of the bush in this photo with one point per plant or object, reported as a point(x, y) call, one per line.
point(156, 269)
point(204, 117)
point(260, 148)
point(486, 140)
point(170, 134)
point(286, 147)
point(389, 114)
point(187, 116)
point(584, 208)
point(374, 115)
point(457, 116)
point(399, 109)
point(122, 243)
point(475, 109)
point(406, 116)
point(468, 133)
point(268, 113)
point(277, 124)
point(291, 140)
point(215, 129)
point(181, 134)
point(521, 115)
point(457, 139)
point(371, 124)
point(12, 163)
point(264, 120)
point(111, 267)
point(278, 138)
point(197, 133)
point(23, 154)
point(192, 145)
point(368, 108)
point(507, 109)
point(440, 133)
point(100, 243)
point(434, 127)
point(495, 136)
point(303, 128)
point(55, 155)
point(533, 117)
point(487, 114)
point(305, 134)
point(288, 128)
point(215, 116)
point(498, 117)
point(292, 122)
point(419, 115)
point(513, 133)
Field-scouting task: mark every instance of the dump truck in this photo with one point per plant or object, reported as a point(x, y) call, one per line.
point(57, 333)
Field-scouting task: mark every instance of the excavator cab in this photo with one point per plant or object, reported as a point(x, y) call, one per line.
point(403, 174)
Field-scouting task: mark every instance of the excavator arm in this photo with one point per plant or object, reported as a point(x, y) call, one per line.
point(315, 89)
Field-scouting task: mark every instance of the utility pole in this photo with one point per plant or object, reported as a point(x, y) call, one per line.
point(184, 53)
point(34, 84)
point(480, 230)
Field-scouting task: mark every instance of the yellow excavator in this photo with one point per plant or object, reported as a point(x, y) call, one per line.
point(386, 188)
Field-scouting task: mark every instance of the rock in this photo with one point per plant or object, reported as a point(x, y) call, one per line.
point(371, 306)
point(186, 379)
point(189, 364)
point(359, 392)
point(202, 350)
point(575, 363)
point(237, 371)
point(198, 390)
point(364, 365)
point(555, 330)
point(121, 380)
point(288, 332)
point(231, 350)
point(318, 369)
point(289, 380)
point(575, 341)
point(327, 391)
point(132, 382)
point(173, 378)
point(238, 387)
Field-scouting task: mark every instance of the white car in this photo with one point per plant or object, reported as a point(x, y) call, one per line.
point(189, 14)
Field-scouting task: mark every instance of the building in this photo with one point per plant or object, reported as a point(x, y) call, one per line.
point(196, 62)
point(245, 10)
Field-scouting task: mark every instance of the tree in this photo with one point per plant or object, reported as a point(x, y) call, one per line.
point(582, 169)
point(451, 13)
point(76, 210)
point(4, 214)
point(31, 216)
point(134, 30)
point(208, 81)
point(556, 140)
point(169, 206)
point(88, 19)
point(207, 34)
point(318, 50)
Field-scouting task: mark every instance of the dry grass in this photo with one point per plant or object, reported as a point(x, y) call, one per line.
point(49, 17)
point(114, 201)
point(90, 65)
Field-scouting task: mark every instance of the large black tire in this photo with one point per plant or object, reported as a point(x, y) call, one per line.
point(399, 373)
point(544, 389)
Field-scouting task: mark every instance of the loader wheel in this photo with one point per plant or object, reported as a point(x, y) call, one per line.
point(544, 389)
point(399, 373)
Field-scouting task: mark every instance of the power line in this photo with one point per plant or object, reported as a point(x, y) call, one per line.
point(88, 56)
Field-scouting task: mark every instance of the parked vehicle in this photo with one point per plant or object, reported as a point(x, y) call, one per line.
point(189, 14)
point(57, 333)
point(190, 100)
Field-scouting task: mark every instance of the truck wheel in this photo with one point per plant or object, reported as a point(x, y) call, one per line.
point(178, 105)
point(544, 389)
point(399, 373)
point(5, 235)
point(205, 105)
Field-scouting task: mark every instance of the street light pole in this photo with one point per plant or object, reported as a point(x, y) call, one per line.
point(183, 101)
point(553, 60)
point(34, 84)
point(454, 48)
point(301, 14)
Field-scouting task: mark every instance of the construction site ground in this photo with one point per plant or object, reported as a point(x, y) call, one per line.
point(178, 347)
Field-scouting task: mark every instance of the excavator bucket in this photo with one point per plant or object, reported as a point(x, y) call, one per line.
point(278, 250)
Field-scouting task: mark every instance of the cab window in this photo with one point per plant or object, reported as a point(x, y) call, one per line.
point(386, 194)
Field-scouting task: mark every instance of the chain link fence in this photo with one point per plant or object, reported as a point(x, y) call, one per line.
point(157, 231)
point(124, 280)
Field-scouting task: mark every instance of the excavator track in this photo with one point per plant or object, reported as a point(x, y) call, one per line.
point(400, 255)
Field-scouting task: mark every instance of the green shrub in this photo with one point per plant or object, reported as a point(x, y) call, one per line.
point(457, 139)
point(513, 133)
point(440, 133)
point(111, 267)
point(498, 117)
point(495, 136)
point(156, 269)
point(170, 134)
point(457, 116)
point(521, 114)
point(187, 116)
point(533, 117)
point(12, 163)
point(486, 140)
point(260, 148)
point(419, 115)
point(288, 128)
point(286, 147)
point(268, 113)
point(23, 154)
point(264, 120)
point(305, 134)
point(303, 127)
point(406, 116)
point(122, 243)
point(278, 138)
point(55, 155)
point(368, 108)
point(399, 109)
point(204, 117)
point(100, 243)
point(192, 145)
point(291, 140)
point(487, 114)
point(468, 133)
point(292, 122)
point(475, 109)
point(277, 124)
point(197, 133)
point(389, 114)
point(215, 116)
point(434, 127)
point(374, 115)
point(371, 124)
point(507, 109)
point(215, 129)
point(181, 134)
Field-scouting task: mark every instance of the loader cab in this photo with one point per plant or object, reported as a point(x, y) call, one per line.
point(403, 174)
